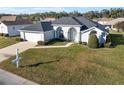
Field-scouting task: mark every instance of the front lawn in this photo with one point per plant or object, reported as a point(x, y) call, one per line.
point(6, 41)
point(73, 65)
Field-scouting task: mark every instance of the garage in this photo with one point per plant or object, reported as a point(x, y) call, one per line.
point(37, 32)
point(34, 37)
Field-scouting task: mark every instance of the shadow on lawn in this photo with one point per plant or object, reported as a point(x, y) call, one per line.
point(117, 39)
point(37, 64)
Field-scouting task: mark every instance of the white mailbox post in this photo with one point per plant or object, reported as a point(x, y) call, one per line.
point(17, 60)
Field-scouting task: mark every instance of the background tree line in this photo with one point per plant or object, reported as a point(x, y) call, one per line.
point(111, 13)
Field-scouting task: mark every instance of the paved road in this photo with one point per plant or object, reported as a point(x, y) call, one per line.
point(9, 51)
point(7, 78)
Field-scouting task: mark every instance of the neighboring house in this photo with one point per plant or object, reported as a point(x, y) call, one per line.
point(74, 29)
point(104, 21)
point(113, 22)
point(9, 25)
point(109, 22)
point(49, 19)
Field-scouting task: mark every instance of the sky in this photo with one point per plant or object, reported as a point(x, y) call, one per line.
point(30, 10)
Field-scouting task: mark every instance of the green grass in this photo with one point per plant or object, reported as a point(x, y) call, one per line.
point(73, 65)
point(6, 41)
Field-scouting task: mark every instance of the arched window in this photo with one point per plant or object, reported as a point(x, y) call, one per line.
point(59, 32)
point(72, 34)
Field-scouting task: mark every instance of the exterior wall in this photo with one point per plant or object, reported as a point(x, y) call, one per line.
point(66, 29)
point(85, 36)
point(13, 29)
point(22, 35)
point(33, 37)
point(37, 36)
point(3, 28)
point(48, 35)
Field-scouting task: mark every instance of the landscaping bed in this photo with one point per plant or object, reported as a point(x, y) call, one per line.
point(54, 42)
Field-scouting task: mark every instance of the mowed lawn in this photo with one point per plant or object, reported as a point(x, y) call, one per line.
point(6, 41)
point(73, 65)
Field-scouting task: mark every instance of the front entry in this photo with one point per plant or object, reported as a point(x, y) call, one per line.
point(59, 33)
point(72, 34)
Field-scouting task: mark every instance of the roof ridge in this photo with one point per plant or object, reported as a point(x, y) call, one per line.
point(77, 20)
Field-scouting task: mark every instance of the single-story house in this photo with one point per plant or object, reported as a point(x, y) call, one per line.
point(113, 22)
point(104, 21)
point(9, 25)
point(109, 22)
point(74, 29)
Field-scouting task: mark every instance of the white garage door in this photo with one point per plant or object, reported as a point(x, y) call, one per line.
point(34, 37)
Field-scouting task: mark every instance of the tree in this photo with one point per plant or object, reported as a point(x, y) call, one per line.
point(93, 41)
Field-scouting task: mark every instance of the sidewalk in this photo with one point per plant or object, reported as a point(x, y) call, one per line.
point(59, 46)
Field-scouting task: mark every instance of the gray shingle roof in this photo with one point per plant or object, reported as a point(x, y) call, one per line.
point(101, 27)
point(40, 26)
point(80, 21)
point(66, 21)
point(14, 20)
point(87, 22)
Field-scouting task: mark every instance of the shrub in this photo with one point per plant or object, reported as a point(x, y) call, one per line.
point(42, 43)
point(84, 43)
point(108, 45)
point(93, 41)
point(108, 38)
point(68, 40)
point(6, 35)
point(1, 34)
point(19, 39)
point(80, 42)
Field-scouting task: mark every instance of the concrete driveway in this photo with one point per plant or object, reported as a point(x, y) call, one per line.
point(9, 51)
point(7, 78)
